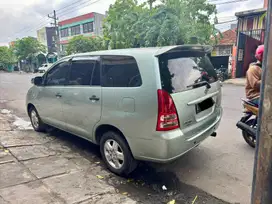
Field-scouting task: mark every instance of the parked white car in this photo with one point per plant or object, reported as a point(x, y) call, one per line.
point(43, 68)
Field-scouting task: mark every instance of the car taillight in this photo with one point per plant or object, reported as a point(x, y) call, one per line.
point(167, 113)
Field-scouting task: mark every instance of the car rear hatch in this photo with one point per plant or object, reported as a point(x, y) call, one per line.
point(188, 76)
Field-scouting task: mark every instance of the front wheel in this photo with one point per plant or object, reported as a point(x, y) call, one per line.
point(250, 140)
point(116, 154)
point(36, 121)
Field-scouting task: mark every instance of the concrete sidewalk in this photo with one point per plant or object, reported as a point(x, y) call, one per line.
point(41, 169)
point(236, 81)
point(58, 168)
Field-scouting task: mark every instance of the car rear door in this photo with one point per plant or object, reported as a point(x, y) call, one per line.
point(82, 96)
point(189, 77)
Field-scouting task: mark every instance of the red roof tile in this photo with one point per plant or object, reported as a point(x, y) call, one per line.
point(228, 37)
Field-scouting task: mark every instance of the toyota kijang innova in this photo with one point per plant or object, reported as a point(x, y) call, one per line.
point(151, 104)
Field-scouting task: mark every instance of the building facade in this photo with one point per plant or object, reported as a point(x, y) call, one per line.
point(250, 34)
point(224, 51)
point(87, 25)
point(46, 36)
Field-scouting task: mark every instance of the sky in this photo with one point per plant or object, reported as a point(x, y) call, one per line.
point(20, 18)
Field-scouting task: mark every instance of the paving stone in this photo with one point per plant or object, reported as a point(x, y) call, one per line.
point(5, 157)
point(20, 138)
point(82, 163)
point(4, 125)
point(59, 146)
point(110, 199)
point(13, 174)
point(50, 166)
point(31, 152)
point(30, 193)
point(2, 201)
point(78, 186)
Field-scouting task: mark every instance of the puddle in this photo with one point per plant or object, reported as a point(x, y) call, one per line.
point(17, 122)
point(21, 124)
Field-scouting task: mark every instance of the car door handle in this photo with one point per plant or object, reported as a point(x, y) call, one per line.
point(94, 98)
point(58, 95)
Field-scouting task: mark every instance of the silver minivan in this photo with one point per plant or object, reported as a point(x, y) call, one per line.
point(151, 104)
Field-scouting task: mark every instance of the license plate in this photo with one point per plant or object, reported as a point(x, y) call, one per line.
point(204, 105)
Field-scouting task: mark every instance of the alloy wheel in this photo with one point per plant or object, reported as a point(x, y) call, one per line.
point(34, 119)
point(114, 154)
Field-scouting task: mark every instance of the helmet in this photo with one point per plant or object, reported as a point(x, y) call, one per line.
point(259, 53)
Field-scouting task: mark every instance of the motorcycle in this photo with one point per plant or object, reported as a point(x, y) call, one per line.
point(249, 122)
point(222, 74)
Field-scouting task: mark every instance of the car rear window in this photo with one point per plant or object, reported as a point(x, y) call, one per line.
point(180, 74)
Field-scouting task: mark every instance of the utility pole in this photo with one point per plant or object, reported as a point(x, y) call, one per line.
point(57, 41)
point(150, 2)
point(262, 176)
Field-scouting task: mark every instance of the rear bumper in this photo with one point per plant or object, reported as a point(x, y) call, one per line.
point(169, 146)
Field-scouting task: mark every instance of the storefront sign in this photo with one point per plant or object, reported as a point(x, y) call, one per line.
point(240, 55)
point(221, 51)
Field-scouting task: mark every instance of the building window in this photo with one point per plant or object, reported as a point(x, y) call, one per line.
point(64, 32)
point(88, 27)
point(250, 23)
point(255, 23)
point(244, 24)
point(75, 30)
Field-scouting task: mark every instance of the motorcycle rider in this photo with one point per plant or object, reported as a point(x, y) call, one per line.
point(253, 77)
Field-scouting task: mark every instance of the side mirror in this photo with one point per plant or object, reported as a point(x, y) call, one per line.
point(37, 80)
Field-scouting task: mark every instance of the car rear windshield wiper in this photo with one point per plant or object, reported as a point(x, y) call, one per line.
point(199, 84)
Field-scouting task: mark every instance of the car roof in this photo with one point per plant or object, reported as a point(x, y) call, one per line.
point(151, 51)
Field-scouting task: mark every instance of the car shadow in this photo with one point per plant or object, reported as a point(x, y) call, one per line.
point(149, 183)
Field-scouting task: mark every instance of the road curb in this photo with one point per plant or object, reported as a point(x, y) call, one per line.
point(236, 84)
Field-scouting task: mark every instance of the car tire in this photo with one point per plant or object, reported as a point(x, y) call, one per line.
point(36, 121)
point(116, 154)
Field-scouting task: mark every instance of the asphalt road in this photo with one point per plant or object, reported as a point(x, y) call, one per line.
point(220, 166)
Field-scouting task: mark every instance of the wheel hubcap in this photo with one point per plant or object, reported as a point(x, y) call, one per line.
point(34, 119)
point(114, 154)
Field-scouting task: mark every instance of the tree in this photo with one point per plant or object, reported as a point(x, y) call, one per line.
point(6, 57)
point(79, 44)
point(130, 24)
point(27, 47)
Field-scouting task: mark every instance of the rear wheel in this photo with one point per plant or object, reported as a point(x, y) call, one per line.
point(250, 140)
point(116, 153)
point(36, 121)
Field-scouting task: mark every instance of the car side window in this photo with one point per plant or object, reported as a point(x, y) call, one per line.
point(81, 72)
point(120, 71)
point(57, 76)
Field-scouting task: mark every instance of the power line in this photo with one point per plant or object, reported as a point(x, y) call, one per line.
point(229, 2)
point(68, 5)
point(29, 27)
point(88, 3)
point(45, 15)
point(45, 22)
point(224, 22)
